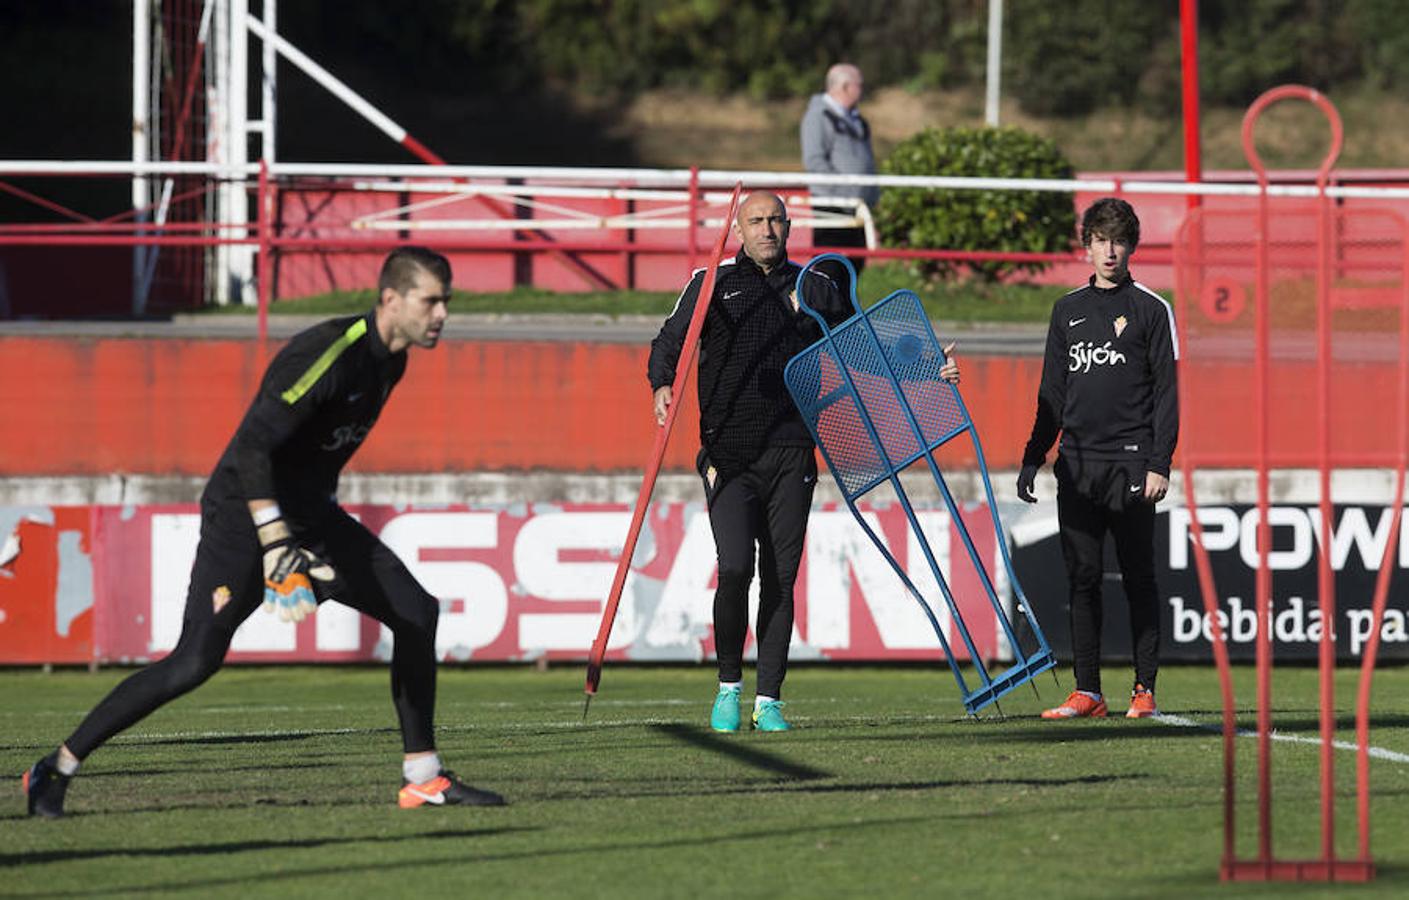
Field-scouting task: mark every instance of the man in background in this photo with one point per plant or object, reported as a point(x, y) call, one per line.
point(836, 140)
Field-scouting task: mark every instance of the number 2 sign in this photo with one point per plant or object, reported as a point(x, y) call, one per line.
point(1222, 300)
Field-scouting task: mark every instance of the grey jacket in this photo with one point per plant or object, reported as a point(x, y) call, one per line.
point(840, 144)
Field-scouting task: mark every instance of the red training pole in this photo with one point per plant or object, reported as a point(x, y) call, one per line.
point(1191, 234)
point(1263, 583)
point(1189, 59)
point(648, 481)
point(1325, 578)
point(1372, 648)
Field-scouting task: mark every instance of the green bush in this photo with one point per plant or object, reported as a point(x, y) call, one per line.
point(1030, 221)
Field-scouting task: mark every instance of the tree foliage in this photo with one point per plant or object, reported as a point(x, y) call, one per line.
point(1059, 58)
point(1071, 58)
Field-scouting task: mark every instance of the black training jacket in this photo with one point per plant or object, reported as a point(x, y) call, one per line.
point(749, 334)
point(318, 400)
point(1108, 379)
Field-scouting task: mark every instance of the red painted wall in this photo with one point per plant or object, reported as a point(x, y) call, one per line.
point(94, 407)
point(91, 407)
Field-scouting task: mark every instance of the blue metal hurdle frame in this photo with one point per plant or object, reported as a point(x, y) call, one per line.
point(875, 358)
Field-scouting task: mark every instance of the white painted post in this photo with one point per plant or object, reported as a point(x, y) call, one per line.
point(995, 62)
point(141, 113)
point(217, 153)
point(233, 270)
point(267, 108)
point(269, 102)
point(239, 279)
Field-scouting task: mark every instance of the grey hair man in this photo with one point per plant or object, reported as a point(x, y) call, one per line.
point(836, 139)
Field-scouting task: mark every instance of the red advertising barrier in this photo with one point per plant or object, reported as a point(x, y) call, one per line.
point(46, 585)
point(108, 583)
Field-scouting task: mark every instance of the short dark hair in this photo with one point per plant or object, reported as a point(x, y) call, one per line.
point(401, 265)
point(1110, 217)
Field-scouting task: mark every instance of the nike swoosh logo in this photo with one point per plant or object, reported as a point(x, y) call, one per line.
point(1135, 489)
point(436, 798)
point(1075, 322)
point(730, 295)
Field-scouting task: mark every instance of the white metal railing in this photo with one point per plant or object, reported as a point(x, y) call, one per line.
point(556, 217)
point(704, 178)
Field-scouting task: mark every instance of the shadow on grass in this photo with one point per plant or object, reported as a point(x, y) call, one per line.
point(216, 803)
point(252, 738)
point(1298, 714)
point(1122, 729)
point(598, 790)
point(740, 752)
point(851, 787)
point(1307, 721)
point(272, 879)
point(257, 738)
point(220, 849)
point(142, 771)
point(1296, 719)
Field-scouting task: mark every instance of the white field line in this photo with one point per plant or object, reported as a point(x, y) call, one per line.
point(1376, 752)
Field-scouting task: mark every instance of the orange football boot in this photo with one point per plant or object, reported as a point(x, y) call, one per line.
point(445, 789)
point(1142, 703)
point(1077, 706)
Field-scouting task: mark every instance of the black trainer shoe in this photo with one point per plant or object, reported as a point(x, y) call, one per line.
point(44, 787)
point(444, 789)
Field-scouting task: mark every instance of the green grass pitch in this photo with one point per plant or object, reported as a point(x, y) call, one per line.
point(281, 781)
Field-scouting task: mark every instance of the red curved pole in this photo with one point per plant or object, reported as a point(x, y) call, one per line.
point(1204, 568)
point(648, 481)
point(1262, 379)
point(1263, 586)
point(1372, 646)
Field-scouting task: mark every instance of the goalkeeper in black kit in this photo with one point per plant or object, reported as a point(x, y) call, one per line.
point(272, 533)
point(1108, 386)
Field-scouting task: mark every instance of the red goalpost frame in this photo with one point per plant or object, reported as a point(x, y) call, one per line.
point(1327, 866)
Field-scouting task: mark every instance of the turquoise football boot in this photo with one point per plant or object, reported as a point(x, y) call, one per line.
point(768, 716)
point(725, 715)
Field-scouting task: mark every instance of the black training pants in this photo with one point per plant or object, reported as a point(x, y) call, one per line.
point(1094, 497)
point(766, 506)
point(228, 571)
point(841, 237)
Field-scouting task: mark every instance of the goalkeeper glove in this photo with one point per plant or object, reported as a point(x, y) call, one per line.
point(295, 578)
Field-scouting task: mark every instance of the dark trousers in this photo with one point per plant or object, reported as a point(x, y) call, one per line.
point(228, 565)
point(1093, 498)
point(841, 237)
point(764, 507)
